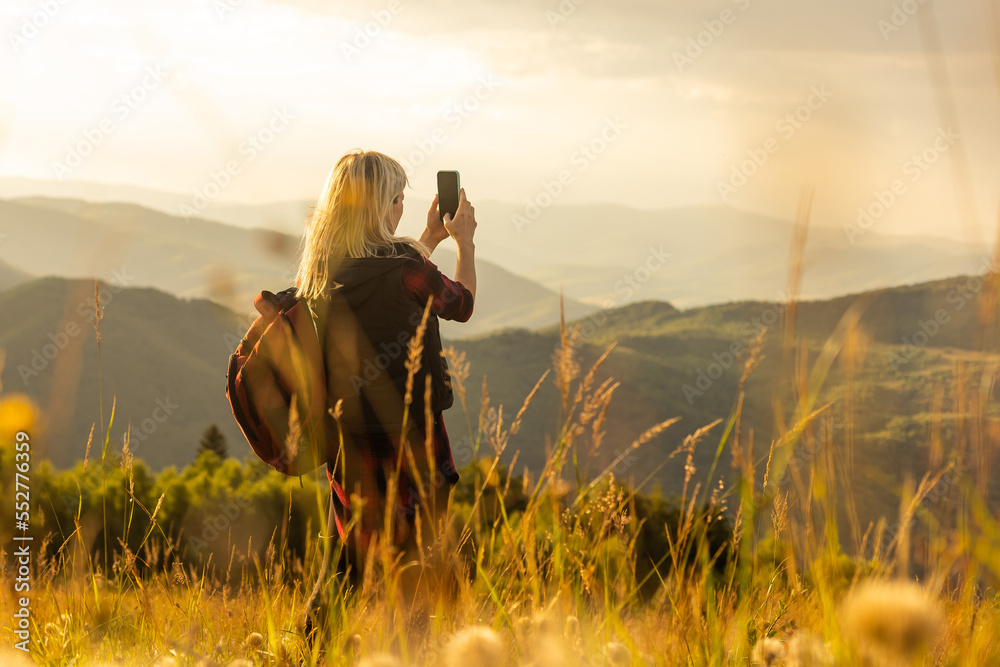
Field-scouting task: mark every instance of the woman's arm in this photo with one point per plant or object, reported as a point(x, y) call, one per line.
point(465, 267)
point(462, 228)
point(450, 299)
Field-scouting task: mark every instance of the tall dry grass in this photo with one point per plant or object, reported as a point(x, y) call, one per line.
point(560, 581)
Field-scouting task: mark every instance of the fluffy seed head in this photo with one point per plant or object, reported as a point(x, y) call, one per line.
point(892, 621)
point(767, 652)
point(476, 645)
point(617, 654)
point(807, 650)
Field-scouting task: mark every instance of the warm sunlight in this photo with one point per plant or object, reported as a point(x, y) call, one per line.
point(499, 333)
point(699, 95)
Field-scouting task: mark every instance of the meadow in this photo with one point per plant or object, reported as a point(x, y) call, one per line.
point(215, 563)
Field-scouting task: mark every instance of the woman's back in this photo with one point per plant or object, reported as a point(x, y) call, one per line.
point(371, 317)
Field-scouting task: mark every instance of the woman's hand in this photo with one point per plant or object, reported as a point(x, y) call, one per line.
point(462, 227)
point(435, 231)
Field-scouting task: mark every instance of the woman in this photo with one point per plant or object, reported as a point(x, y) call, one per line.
point(369, 289)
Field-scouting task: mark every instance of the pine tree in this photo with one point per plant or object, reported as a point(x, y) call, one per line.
point(213, 440)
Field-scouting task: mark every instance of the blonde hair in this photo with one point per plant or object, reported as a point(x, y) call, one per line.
point(351, 219)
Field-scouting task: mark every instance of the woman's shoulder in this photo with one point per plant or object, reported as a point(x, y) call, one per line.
point(401, 249)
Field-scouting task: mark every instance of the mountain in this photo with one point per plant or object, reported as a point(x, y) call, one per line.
point(158, 200)
point(11, 277)
point(605, 255)
point(137, 246)
point(915, 344)
point(609, 253)
point(162, 359)
point(134, 246)
point(287, 216)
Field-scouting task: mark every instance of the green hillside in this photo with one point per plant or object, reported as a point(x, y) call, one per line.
point(158, 350)
point(681, 363)
point(163, 360)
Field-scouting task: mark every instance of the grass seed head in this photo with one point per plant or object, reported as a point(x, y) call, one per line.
point(892, 620)
point(807, 650)
point(529, 629)
point(476, 645)
point(768, 652)
point(545, 645)
point(550, 651)
point(617, 654)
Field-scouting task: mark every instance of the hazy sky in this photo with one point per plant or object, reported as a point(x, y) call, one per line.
point(650, 104)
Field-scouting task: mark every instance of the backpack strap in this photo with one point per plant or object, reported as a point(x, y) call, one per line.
point(318, 312)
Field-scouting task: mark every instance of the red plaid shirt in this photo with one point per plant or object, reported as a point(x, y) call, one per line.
point(371, 459)
point(452, 300)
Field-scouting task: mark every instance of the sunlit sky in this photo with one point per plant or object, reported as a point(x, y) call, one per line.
point(509, 92)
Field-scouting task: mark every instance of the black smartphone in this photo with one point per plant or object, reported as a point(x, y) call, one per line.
point(448, 189)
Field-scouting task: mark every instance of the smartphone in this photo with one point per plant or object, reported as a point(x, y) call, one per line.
point(448, 189)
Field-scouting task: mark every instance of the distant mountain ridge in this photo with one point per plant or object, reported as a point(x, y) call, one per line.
point(206, 259)
point(717, 254)
point(591, 252)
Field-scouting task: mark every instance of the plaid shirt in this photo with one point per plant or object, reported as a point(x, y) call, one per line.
point(452, 300)
point(371, 459)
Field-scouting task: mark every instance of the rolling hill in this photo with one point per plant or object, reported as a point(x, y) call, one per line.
point(10, 277)
point(915, 344)
point(160, 352)
point(163, 362)
point(717, 253)
point(134, 246)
